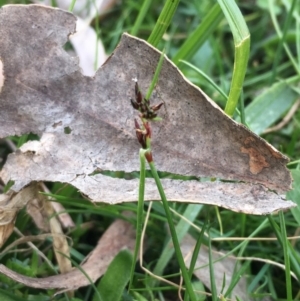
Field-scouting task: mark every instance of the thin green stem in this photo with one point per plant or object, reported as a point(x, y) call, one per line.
point(211, 272)
point(207, 78)
point(293, 162)
point(241, 38)
point(191, 212)
point(239, 70)
point(163, 22)
point(282, 40)
point(142, 13)
point(156, 75)
point(200, 35)
point(242, 109)
point(185, 275)
point(280, 35)
point(197, 250)
point(211, 82)
point(287, 264)
point(71, 7)
point(140, 213)
point(195, 256)
point(294, 257)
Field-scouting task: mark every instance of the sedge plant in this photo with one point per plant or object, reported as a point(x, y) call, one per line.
point(147, 114)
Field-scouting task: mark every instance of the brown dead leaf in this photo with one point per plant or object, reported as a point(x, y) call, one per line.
point(60, 243)
point(36, 211)
point(64, 217)
point(86, 123)
point(118, 236)
point(38, 214)
point(10, 204)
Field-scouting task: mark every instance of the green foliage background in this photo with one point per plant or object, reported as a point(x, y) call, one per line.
point(200, 35)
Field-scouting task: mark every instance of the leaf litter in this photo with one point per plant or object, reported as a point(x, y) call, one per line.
point(45, 93)
point(119, 235)
point(86, 124)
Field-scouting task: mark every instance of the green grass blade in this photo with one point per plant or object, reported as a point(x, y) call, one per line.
point(269, 106)
point(242, 110)
point(140, 214)
point(239, 71)
point(142, 13)
point(235, 20)
point(294, 256)
point(114, 281)
point(5, 295)
point(23, 139)
point(279, 33)
point(237, 277)
point(197, 250)
point(298, 41)
point(156, 75)
point(258, 280)
point(241, 38)
point(191, 212)
point(211, 82)
point(163, 22)
point(195, 255)
point(294, 195)
point(200, 35)
point(213, 287)
point(280, 47)
point(295, 260)
point(286, 257)
point(72, 4)
point(207, 78)
point(185, 275)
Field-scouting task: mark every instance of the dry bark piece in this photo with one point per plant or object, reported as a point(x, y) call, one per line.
point(241, 197)
point(1, 76)
point(87, 123)
point(118, 236)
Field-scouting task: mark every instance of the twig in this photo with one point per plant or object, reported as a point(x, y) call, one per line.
point(285, 120)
